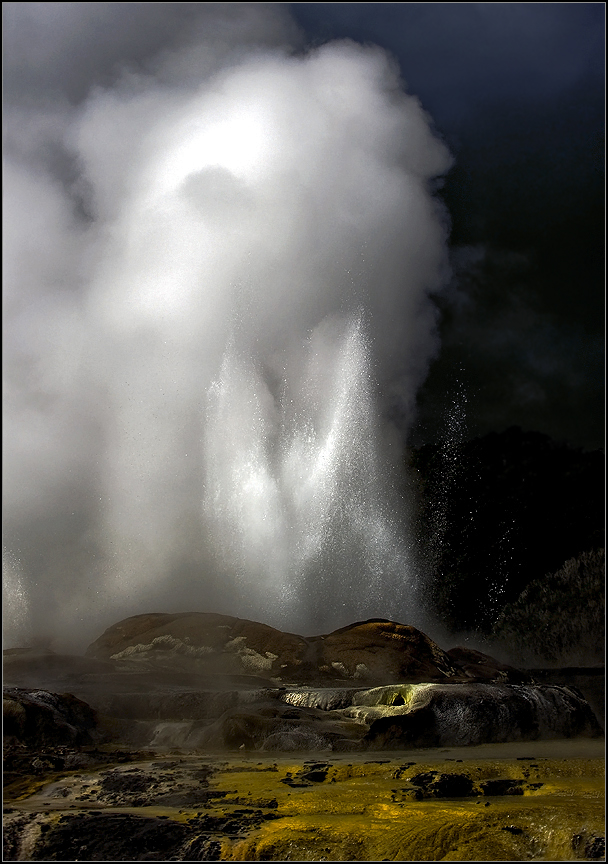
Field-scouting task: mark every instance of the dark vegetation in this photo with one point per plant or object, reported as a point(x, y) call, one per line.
point(500, 512)
point(560, 618)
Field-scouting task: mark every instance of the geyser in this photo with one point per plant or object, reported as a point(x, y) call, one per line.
point(294, 493)
point(210, 312)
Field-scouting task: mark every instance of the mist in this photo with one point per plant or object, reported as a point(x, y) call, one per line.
point(220, 254)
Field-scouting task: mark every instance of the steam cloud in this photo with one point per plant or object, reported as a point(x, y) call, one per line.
point(218, 261)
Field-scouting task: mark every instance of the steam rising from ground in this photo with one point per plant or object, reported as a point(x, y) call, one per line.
point(217, 280)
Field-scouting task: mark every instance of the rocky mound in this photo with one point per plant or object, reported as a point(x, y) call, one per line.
point(383, 651)
point(436, 715)
point(198, 642)
point(367, 652)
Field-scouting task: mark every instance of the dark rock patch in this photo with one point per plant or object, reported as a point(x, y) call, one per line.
point(22, 765)
point(39, 718)
point(481, 667)
point(590, 847)
point(436, 784)
point(114, 782)
point(238, 822)
point(418, 729)
point(439, 785)
point(317, 775)
point(12, 833)
point(114, 837)
point(203, 849)
point(502, 787)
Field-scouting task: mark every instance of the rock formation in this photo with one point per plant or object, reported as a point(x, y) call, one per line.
point(377, 651)
point(211, 682)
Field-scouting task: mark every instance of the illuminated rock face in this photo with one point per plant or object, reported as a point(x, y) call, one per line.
point(435, 715)
point(399, 717)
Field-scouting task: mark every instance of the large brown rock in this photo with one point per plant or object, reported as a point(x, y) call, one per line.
point(383, 651)
point(206, 643)
point(375, 651)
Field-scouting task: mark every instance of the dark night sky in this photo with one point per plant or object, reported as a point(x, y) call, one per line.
point(517, 92)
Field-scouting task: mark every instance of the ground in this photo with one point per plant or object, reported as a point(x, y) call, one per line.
point(537, 801)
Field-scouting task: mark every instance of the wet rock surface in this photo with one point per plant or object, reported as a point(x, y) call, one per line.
point(589, 847)
point(101, 837)
point(481, 667)
point(437, 805)
point(453, 715)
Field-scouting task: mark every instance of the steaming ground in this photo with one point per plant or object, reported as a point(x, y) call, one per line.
point(218, 263)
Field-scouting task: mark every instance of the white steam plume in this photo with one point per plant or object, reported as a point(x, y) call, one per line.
point(217, 273)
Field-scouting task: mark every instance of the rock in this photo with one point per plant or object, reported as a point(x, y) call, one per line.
point(468, 714)
point(273, 726)
point(383, 651)
point(375, 651)
point(202, 681)
point(591, 681)
point(436, 784)
point(502, 786)
point(39, 719)
point(194, 807)
point(111, 837)
point(482, 667)
point(593, 848)
point(199, 643)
